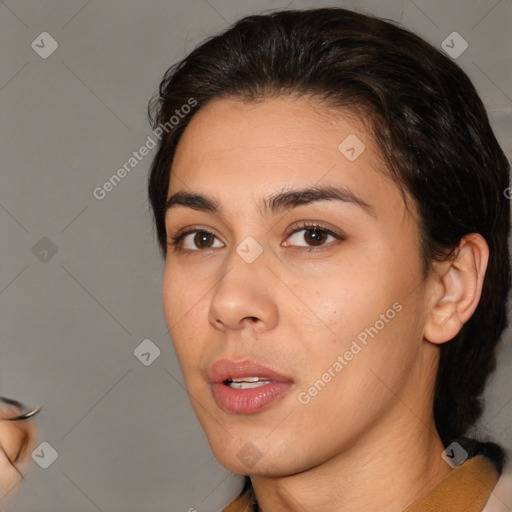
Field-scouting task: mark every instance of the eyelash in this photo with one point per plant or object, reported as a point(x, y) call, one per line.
point(175, 241)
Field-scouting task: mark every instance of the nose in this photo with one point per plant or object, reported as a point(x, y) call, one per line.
point(243, 297)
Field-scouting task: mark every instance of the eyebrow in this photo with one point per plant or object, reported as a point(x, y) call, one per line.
point(276, 203)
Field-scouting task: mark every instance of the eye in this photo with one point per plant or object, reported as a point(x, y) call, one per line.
point(314, 235)
point(198, 240)
point(201, 240)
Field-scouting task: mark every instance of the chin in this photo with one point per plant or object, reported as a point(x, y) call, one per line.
point(258, 455)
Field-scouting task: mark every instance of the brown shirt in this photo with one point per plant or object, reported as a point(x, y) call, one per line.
point(466, 489)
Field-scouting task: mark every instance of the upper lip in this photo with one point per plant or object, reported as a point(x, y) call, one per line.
point(224, 369)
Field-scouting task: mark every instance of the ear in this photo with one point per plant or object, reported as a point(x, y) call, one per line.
point(457, 288)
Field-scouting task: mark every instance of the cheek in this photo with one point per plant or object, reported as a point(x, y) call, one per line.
point(182, 295)
point(375, 303)
point(185, 310)
point(351, 384)
point(173, 286)
point(342, 302)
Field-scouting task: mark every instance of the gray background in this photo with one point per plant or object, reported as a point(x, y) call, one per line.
point(126, 436)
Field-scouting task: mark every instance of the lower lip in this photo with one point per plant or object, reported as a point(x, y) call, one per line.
point(245, 401)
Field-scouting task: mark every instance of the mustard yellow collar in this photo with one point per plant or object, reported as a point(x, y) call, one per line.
point(467, 488)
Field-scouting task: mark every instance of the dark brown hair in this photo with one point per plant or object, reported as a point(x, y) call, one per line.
point(428, 122)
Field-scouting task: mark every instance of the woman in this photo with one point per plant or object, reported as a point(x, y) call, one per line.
point(329, 198)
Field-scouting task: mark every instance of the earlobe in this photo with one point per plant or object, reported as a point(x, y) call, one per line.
point(458, 287)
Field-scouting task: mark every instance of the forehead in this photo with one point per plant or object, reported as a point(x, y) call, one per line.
point(286, 128)
point(286, 124)
point(235, 149)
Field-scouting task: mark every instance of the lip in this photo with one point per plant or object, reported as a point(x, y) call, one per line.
point(246, 401)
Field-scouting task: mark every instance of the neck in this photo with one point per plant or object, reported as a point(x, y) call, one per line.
point(386, 471)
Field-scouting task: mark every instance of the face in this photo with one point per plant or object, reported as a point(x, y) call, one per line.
point(296, 316)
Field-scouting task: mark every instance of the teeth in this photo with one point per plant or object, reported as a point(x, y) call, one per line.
point(246, 379)
point(247, 382)
point(247, 385)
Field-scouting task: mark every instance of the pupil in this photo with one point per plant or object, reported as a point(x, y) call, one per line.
point(316, 236)
point(202, 237)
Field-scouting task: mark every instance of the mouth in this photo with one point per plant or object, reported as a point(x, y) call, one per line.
point(246, 382)
point(245, 387)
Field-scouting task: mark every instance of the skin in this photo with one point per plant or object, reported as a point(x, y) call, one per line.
point(367, 440)
point(17, 440)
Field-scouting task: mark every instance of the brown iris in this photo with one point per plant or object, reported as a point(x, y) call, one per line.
point(200, 237)
point(317, 237)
